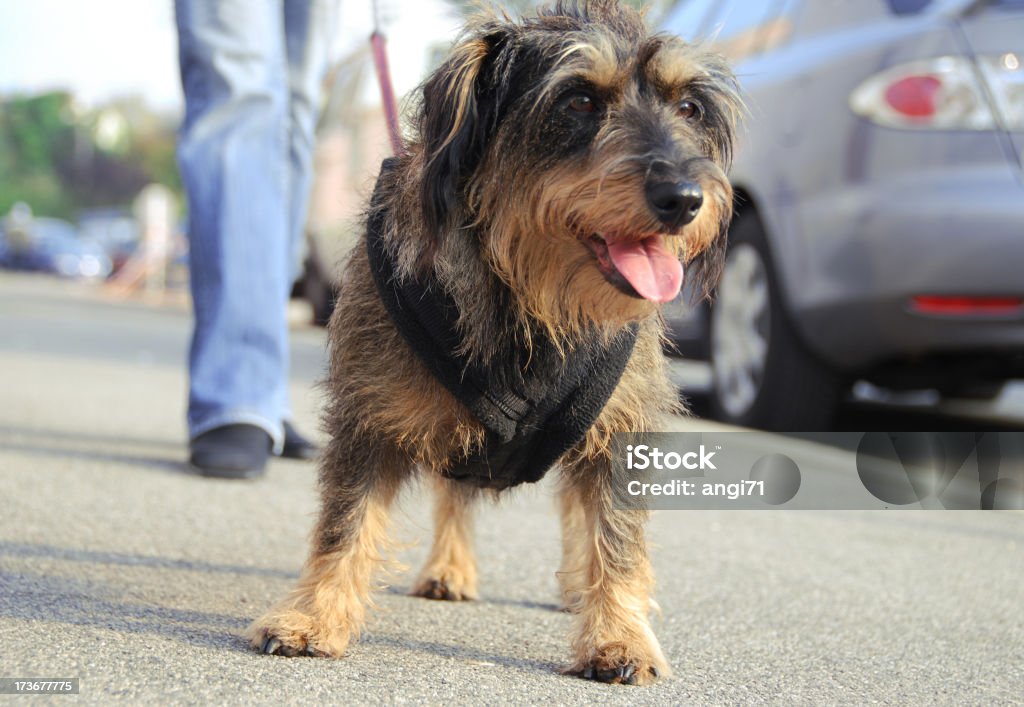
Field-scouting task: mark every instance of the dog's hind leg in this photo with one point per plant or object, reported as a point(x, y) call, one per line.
point(327, 607)
point(450, 571)
point(612, 639)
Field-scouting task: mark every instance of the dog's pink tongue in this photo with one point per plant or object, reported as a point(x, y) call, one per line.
point(649, 267)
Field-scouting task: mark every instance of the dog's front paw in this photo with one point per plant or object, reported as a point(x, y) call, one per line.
point(293, 633)
point(448, 589)
point(618, 664)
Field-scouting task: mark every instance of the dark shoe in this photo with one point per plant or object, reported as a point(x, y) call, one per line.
point(231, 452)
point(296, 446)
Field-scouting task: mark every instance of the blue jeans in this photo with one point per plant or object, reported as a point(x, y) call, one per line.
point(251, 72)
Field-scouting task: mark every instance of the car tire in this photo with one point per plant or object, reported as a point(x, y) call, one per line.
point(762, 376)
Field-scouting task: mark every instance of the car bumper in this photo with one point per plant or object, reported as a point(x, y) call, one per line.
point(955, 235)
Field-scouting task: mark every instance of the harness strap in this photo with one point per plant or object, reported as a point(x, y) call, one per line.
point(535, 404)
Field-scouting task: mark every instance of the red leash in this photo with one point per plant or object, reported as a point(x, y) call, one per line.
point(387, 89)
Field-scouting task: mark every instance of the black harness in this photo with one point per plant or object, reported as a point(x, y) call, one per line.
point(535, 404)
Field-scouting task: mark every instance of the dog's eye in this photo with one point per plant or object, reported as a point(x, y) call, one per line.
point(582, 103)
point(690, 110)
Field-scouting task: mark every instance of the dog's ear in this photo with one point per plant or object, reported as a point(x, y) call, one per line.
point(705, 271)
point(724, 111)
point(457, 117)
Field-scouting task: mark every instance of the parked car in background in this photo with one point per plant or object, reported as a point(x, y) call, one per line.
point(879, 228)
point(113, 229)
point(54, 246)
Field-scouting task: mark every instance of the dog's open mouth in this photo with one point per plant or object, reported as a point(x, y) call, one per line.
point(639, 267)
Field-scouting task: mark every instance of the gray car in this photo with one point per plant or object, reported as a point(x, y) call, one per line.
point(879, 231)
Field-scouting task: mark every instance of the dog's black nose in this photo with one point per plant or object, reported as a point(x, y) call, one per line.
point(675, 203)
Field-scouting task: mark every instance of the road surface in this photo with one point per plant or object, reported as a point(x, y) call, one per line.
point(121, 569)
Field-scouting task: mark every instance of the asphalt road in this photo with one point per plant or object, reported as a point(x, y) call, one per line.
point(120, 568)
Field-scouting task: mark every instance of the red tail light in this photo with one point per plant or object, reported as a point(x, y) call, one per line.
point(914, 96)
point(946, 93)
point(966, 306)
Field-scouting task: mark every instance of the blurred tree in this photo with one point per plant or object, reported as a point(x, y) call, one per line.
point(34, 132)
point(38, 130)
point(59, 159)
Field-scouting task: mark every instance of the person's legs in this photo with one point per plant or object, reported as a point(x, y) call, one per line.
point(308, 30)
point(233, 152)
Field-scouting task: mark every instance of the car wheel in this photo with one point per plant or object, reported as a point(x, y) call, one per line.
point(762, 376)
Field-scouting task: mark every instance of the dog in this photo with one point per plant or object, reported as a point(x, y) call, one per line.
point(502, 315)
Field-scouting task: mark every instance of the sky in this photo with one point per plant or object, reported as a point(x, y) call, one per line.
point(99, 49)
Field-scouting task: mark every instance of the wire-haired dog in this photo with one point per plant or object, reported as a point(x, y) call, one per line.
point(503, 316)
